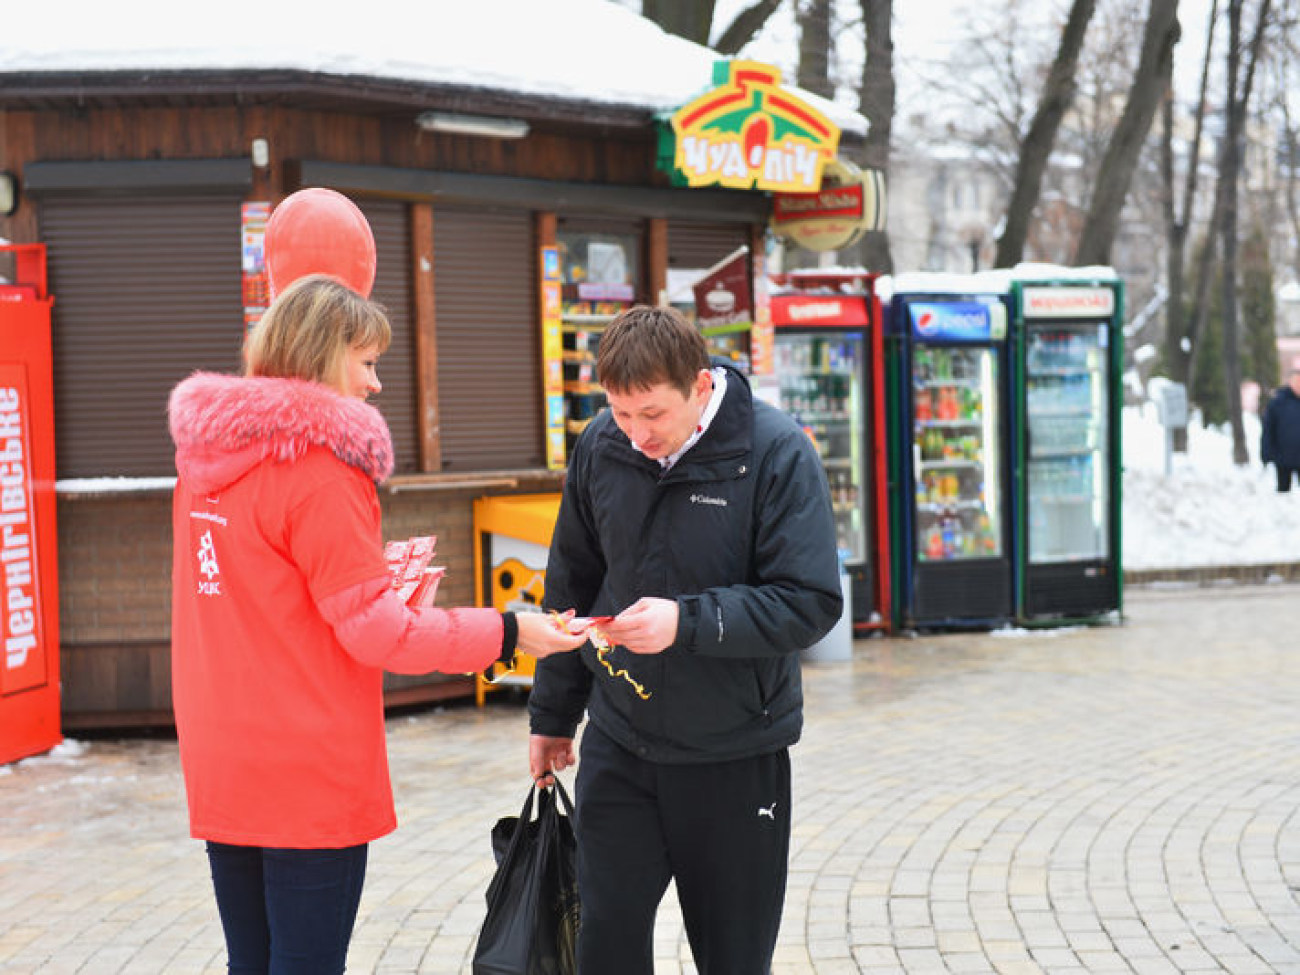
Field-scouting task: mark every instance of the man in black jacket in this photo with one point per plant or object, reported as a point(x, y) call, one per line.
point(1280, 437)
point(700, 520)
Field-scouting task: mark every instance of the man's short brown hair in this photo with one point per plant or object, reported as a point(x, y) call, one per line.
point(646, 346)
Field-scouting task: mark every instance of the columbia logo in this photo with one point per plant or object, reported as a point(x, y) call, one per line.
point(705, 499)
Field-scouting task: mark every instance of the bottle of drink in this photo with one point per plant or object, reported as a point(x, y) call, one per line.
point(933, 544)
point(924, 365)
point(924, 409)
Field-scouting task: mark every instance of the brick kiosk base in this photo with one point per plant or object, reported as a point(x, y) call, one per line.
point(115, 590)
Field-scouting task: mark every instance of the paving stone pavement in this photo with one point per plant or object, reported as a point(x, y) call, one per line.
point(1120, 798)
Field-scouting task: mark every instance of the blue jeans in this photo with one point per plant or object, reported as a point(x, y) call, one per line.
point(287, 912)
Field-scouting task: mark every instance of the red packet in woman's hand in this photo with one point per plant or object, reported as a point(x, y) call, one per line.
point(581, 624)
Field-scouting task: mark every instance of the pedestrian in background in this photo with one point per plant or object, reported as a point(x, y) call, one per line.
point(284, 619)
point(1280, 434)
point(702, 518)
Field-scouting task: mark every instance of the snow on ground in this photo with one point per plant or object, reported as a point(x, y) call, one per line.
point(1207, 511)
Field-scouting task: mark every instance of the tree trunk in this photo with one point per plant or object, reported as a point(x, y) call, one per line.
point(1292, 148)
point(1177, 334)
point(746, 26)
point(691, 19)
point(1228, 231)
point(876, 101)
point(1116, 173)
point(813, 74)
point(1176, 244)
point(1037, 144)
point(1233, 139)
point(815, 47)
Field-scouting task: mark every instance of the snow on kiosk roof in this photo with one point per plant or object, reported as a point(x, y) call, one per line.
point(580, 51)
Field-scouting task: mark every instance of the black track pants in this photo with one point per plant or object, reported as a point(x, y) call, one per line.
point(721, 830)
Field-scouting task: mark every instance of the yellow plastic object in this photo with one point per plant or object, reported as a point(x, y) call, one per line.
point(512, 535)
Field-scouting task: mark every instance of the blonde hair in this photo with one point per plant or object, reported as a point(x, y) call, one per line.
point(309, 328)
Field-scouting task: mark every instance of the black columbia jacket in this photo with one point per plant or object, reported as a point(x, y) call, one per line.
point(740, 532)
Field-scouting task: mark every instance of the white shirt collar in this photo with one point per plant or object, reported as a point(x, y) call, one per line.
point(710, 411)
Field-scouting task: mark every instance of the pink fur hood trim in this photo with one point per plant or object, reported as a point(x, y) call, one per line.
point(224, 426)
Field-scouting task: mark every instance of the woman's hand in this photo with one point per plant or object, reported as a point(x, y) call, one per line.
point(540, 635)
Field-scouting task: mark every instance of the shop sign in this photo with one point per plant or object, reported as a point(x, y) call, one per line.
point(23, 631)
point(1069, 302)
point(843, 311)
point(959, 321)
point(850, 202)
point(749, 132)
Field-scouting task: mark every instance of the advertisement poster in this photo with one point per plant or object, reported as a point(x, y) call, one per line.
point(762, 339)
point(723, 302)
point(256, 289)
point(552, 356)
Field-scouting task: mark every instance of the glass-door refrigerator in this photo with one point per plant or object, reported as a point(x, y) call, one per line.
point(1068, 456)
point(953, 547)
point(827, 361)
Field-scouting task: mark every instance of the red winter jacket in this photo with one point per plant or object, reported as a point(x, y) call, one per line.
point(282, 615)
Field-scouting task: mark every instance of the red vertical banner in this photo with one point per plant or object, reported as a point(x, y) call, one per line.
point(21, 618)
point(29, 571)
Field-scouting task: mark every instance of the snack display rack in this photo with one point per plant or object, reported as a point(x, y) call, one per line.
point(585, 312)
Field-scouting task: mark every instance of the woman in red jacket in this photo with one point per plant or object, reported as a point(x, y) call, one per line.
point(283, 621)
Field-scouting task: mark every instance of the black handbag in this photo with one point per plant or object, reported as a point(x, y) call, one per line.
point(531, 927)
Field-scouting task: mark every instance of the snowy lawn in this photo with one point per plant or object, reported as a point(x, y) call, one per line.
point(1207, 511)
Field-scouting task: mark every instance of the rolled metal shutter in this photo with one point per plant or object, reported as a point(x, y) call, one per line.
point(489, 343)
point(701, 245)
point(390, 224)
point(146, 291)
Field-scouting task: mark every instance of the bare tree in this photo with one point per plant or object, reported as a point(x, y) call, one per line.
point(1291, 151)
point(1036, 146)
point(1229, 230)
point(814, 17)
point(693, 20)
point(1205, 263)
point(876, 100)
point(1285, 82)
point(1112, 184)
point(1178, 222)
point(746, 26)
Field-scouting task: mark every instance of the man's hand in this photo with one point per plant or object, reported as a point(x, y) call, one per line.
point(649, 625)
point(547, 755)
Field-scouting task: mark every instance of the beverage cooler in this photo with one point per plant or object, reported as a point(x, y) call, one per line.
point(951, 477)
point(1068, 342)
point(829, 366)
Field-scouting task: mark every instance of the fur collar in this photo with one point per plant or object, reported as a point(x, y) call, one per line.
point(225, 425)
